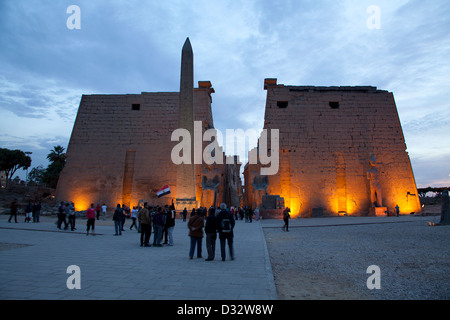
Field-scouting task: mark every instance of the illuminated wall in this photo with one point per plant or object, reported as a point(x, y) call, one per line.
point(120, 149)
point(340, 148)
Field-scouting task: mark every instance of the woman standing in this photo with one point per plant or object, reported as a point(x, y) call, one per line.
point(195, 225)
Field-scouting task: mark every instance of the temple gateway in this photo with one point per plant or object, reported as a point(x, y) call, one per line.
point(341, 151)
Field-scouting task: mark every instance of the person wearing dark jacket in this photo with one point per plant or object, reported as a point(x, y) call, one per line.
point(28, 212)
point(118, 217)
point(211, 235)
point(170, 224)
point(225, 223)
point(146, 226)
point(195, 225)
point(14, 206)
point(158, 222)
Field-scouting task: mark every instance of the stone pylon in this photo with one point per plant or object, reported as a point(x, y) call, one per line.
point(186, 196)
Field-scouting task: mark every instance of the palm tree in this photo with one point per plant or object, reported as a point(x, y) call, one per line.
point(57, 155)
point(57, 159)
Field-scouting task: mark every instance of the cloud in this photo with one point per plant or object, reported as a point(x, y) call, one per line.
point(37, 114)
point(432, 171)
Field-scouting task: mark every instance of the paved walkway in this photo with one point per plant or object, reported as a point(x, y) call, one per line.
point(34, 258)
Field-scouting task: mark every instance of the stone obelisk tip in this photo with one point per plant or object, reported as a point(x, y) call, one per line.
point(187, 45)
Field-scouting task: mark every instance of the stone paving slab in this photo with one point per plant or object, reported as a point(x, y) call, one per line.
point(34, 258)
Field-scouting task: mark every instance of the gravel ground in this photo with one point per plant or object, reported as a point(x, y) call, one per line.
point(330, 262)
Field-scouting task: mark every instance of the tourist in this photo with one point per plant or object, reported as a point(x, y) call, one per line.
point(397, 210)
point(146, 226)
point(195, 225)
point(104, 207)
point(62, 216)
point(124, 215)
point(225, 223)
point(70, 212)
point(286, 217)
point(118, 217)
point(134, 213)
point(166, 214)
point(97, 211)
point(211, 234)
point(14, 206)
point(158, 221)
point(37, 211)
point(170, 225)
point(151, 213)
point(184, 214)
point(33, 211)
point(28, 211)
point(90, 215)
point(257, 214)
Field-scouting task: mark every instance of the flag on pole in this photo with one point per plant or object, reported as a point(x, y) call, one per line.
point(163, 191)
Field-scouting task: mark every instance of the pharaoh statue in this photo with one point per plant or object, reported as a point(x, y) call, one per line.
point(260, 184)
point(375, 189)
point(210, 185)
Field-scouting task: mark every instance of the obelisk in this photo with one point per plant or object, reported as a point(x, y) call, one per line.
point(186, 196)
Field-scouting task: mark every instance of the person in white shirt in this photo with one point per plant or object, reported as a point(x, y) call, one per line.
point(104, 207)
point(134, 212)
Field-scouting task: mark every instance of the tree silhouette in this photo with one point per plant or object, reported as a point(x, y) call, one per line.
point(12, 160)
point(57, 159)
point(57, 155)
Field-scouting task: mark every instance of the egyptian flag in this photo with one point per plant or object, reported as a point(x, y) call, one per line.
point(163, 191)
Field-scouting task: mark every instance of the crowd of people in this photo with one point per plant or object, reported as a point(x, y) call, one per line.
point(161, 222)
point(32, 211)
point(157, 220)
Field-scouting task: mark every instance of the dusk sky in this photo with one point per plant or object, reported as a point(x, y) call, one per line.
point(135, 46)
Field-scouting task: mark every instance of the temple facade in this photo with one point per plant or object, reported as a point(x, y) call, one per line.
point(341, 151)
point(120, 150)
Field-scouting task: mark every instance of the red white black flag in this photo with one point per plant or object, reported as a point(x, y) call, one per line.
point(163, 191)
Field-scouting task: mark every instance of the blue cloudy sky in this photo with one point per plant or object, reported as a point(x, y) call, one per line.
point(135, 45)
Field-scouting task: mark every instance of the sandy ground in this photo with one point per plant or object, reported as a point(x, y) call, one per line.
point(330, 262)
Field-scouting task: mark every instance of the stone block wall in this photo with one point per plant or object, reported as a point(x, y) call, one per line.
point(120, 149)
point(339, 148)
